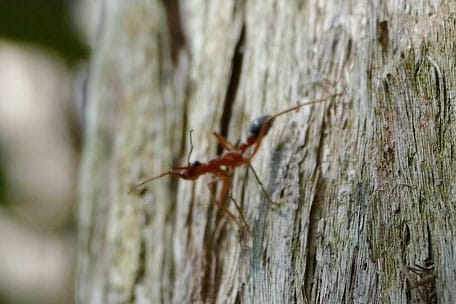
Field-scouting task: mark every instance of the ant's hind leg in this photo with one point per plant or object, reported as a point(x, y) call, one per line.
point(238, 208)
point(266, 194)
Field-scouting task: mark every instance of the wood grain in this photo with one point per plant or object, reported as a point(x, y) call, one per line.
point(366, 181)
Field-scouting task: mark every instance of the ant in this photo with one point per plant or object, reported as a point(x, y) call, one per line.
point(223, 166)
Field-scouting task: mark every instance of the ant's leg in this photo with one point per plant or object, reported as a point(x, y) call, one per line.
point(225, 189)
point(226, 179)
point(219, 203)
point(223, 142)
point(134, 188)
point(240, 213)
point(262, 187)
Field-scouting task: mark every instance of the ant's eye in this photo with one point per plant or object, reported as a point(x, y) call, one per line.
point(257, 125)
point(195, 164)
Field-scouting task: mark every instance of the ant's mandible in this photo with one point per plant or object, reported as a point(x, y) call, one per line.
point(223, 166)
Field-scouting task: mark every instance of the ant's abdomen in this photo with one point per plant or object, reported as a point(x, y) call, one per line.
point(257, 125)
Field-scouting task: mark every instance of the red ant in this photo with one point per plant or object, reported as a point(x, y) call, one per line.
point(223, 166)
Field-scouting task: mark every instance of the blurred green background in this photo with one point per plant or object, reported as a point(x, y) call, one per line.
point(44, 50)
point(48, 24)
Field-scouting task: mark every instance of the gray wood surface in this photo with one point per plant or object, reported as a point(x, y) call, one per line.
point(366, 181)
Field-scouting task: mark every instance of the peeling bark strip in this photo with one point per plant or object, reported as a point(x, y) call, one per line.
point(367, 184)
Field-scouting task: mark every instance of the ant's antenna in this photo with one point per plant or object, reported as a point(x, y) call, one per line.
point(300, 105)
point(191, 147)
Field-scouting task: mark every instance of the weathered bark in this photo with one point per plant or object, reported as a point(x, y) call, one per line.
point(366, 182)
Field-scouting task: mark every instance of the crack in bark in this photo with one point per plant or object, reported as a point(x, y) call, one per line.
point(314, 215)
point(211, 265)
point(140, 270)
point(177, 44)
point(233, 84)
point(177, 39)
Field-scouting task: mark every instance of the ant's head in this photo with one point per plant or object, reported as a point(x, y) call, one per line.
point(195, 164)
point(257, 125)
point(190, 172)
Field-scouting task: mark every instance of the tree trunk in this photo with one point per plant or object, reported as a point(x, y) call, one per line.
point(366, 181)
